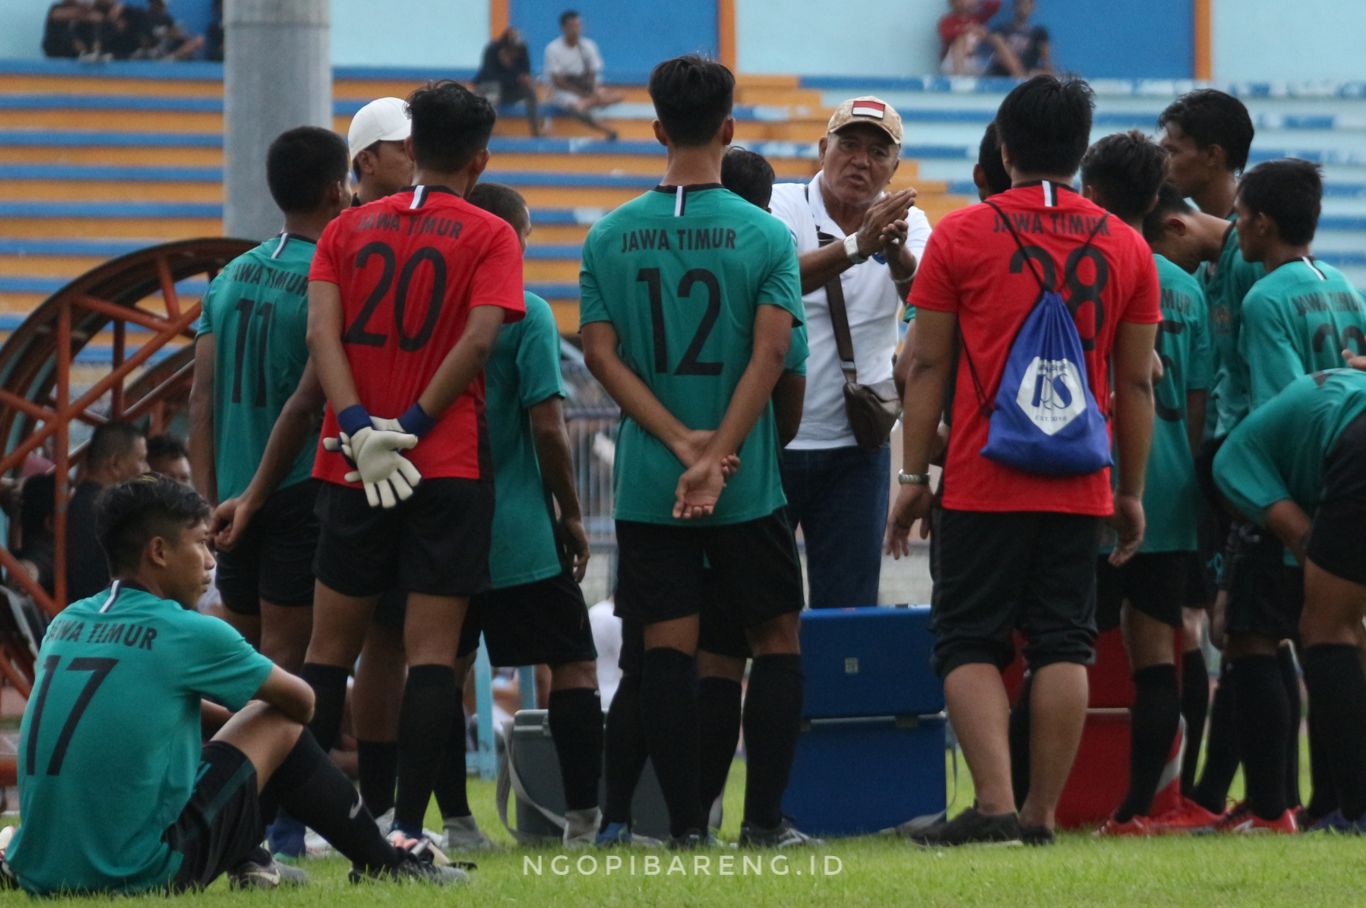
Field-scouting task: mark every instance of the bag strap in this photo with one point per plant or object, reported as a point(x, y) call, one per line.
point(839, 313)
point(510, 781)
point(986, 408)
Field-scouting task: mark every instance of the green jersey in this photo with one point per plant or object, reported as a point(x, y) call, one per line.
point(109, 743)
point(797, 351)
point(257, 308)
point(1183, 342)
point(1277, 453)
point(680, 274)
point(1226, 283)
point(1296, 320)
point(522, 371)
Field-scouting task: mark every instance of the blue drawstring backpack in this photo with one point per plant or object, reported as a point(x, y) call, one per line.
point(1045, 419)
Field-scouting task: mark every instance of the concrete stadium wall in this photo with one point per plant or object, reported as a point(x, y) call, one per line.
point(1126, 39)
point(1261, 40)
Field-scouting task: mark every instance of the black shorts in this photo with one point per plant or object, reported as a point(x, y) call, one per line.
point(221, 825)
point(436, 542)
point(999, 571)
point(663, 570)
point(1158, 584)
point(629, 660)
point(1341, 515)
point(545, 622)
point(273, 561)
point(1265, 595)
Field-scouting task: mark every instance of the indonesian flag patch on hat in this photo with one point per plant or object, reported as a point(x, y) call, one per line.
point(870, 110)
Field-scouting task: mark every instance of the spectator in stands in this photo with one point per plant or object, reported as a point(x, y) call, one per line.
point(117, 452)
point(965, 45)
point(855, 237)
point(168, 455)
point(121, 29)
point(504, 76)
point(1027, 51)
point(72, 30)
point(163, 38)
point(213, 33)
point(36, 543)
point(573, 66)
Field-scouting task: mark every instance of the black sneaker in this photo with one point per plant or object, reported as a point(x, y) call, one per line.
point(411, 869)
point(261, 871)
point(970, 828)
point(7, 878)
point(784, 835)
point(692, 840)
point(1037, 836)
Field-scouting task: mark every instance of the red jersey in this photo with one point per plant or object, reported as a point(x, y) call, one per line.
point(972, 267)
point(410, 267)
point(952, 25)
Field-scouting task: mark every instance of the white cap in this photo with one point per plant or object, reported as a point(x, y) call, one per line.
point(382, 120)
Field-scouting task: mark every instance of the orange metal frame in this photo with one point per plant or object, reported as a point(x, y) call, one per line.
point(36, 403)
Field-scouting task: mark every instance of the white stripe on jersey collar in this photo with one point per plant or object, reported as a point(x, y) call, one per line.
point(679, 196)
point(1310, 262)
point(113, 594)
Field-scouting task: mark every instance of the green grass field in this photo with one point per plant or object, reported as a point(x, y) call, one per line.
point(1080, 870)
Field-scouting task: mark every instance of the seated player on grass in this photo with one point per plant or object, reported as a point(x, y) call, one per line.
point(116, 792)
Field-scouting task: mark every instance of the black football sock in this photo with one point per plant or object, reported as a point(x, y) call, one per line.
point(718, 721)
point(1290, 678)
point(424, 728)
point(1261, 717)
point(668, 712)
point(1019, 744)
point(377, 766)
point(449, 789)
point(1323, 783)
point(1194, 709)
point(329, 700)
point(772, 720)
point(1221, 747)
point(313, 789)
point(1337, 698)
point(1154, 719)
point(625, 754)
point(576, 728)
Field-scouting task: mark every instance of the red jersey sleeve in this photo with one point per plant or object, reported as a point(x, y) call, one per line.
point(498, 279)
point(935, 287)
point(1144, 307)
point(324, 259)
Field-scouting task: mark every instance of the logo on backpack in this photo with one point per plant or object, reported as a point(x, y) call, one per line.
point(1051, 394)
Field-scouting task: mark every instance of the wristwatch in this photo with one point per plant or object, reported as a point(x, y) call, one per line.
point(851, 249)
point(912, 479)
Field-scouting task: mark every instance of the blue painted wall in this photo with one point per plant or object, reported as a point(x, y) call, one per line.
point(633, 37)
point(1260, 40)
point(1117, 38)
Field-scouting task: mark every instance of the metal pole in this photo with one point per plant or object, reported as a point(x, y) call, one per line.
point(277, 75)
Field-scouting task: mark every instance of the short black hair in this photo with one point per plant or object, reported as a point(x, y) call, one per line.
point(1290, 192)
point(130, 514)
point(749, 175)
point(567, 15)
point(301, 163)
point(1128, 169)
point(167, 446)
point(1170, 201)
point(1046, 123)
point(501, 201)
point(692, 97)
point(451, 124)
point(111, 441)
point(989, 159)
point(1212, 117)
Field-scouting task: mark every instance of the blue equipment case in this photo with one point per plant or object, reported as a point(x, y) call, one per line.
point(872, 661)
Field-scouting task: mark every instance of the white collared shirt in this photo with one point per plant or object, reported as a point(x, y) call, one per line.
point(871, 300)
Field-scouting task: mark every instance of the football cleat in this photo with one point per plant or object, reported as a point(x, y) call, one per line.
point(1249, 823)
point(1188, 817)
point(784, 835)
point(261, 871)
point(1134, 826)
point(971, 828)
